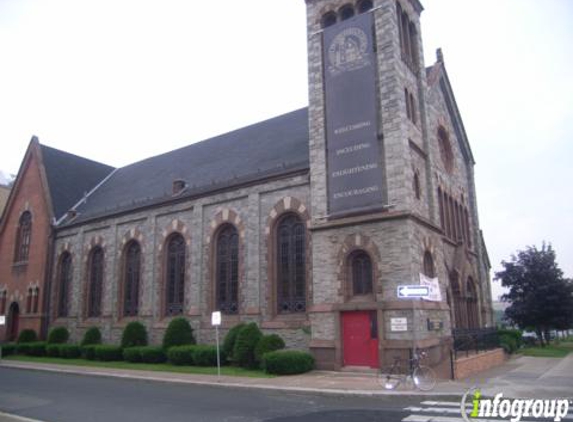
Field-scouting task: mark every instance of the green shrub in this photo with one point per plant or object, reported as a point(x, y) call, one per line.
point(230, 338)
point(134, 335)
point(27, 336)
point(268, 343)
point(508, 343)
point(88, 352)
point(91, 336)
point(204, 355)
point(9, 349)
point(37, 348)
point(108, 353)
point(517, 336)
point(178, 333)
point(58, 335)
point(287, 362)
point(244, 350)
point(181, 355)
point(53, 350)
point(152, 354)
point(70, 351)
point(132, 354)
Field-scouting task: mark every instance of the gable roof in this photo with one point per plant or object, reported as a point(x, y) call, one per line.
point(271, 148)
point(69, 177)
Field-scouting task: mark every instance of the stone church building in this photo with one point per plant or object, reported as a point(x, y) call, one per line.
point(307, 223)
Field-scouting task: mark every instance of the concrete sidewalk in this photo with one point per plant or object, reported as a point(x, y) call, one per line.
point(519, 377)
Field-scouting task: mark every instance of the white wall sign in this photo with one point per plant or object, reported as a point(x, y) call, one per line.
point(216, 318)
point(2, 319)
point(398, 324)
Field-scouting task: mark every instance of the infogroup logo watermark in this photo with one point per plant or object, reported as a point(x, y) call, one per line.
point(473, 407)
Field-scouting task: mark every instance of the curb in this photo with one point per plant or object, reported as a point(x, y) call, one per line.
point(167, 379)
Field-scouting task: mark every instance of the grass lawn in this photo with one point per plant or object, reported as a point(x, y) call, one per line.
point(158, 367)
point(552, 351)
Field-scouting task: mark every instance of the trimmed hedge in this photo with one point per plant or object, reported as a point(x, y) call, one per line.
point(9, 349)
point(287, 362)
point(108, 353)
point(230, 339)
point(58, 335)
point(181, 355)
point(132, 354)
point(70, 351)
point(204, 355)
point(88, 352)
point(27, 336)
point(91, 336)
point(37, 348)
point(134, 335)
point(179, 333)
point(53, 350)
point(244, 350)
point(152, 354)
point(516, 335)
point(268, 343)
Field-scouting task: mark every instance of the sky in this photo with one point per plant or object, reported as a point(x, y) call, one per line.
point(121, 80)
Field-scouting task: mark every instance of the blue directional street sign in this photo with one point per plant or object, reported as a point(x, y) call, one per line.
point(412, 291)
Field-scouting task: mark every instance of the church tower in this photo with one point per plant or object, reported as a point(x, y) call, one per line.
point(377, 215)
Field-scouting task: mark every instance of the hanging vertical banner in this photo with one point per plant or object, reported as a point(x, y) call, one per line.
point(353, 156)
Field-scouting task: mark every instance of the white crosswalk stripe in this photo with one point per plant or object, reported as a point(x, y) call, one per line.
point(446, 411)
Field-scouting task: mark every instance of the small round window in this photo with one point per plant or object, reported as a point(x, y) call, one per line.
point(446, 149)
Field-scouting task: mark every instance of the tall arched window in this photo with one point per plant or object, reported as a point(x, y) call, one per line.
point(472, 304)
point(23, 237)
point(429, 269)
point(64, 284)
point(227, 269)
point(36, 300)
point(361, 273)
point(175, 275)
point(291, 264)
point(131, 277)
point(3, 295)
point(457, 302)
point(95, 282)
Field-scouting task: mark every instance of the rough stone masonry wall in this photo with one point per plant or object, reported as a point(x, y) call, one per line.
point(247, 208)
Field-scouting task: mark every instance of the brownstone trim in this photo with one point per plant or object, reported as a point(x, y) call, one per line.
point(176, 227)
point(286, 206)
point(133, 235)
point(222, 218)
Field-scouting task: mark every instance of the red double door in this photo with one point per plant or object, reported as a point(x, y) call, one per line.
point(360, 338)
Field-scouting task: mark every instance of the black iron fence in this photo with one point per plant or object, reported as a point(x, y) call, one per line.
point(469, 341)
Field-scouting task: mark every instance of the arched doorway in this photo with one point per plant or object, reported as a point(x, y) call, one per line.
point(13, 320)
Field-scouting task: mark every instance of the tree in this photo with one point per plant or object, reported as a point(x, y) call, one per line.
point(540, 297)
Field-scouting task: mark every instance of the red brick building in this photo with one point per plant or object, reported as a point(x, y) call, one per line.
point(48, 184)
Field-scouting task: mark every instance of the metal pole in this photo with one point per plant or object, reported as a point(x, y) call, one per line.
point(414, 328)
point(218, 356)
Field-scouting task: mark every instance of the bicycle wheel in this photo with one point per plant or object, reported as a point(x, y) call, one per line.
point(389, 377)
point(424, 378)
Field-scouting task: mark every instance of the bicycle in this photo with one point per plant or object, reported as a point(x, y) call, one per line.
point(423, 377)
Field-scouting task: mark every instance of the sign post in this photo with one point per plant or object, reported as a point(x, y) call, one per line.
point(216, 321)
point(2, 322)
point(413, 292)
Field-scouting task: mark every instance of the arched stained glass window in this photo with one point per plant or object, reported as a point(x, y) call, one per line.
point(23, 237)
point(227, 278)
point(361, 273)
point(95, 282)
point(65, 281)
point(291, 264)
point(175, 277)
point(131, 278)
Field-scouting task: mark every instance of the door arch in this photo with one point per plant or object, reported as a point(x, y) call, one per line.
point(13, 322)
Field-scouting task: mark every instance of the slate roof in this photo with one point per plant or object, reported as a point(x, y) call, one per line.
point(271, 148)
point(70, 177)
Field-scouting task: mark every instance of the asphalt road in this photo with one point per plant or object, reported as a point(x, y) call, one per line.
point(54, 397)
